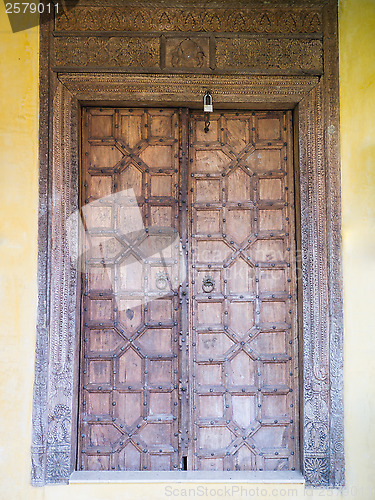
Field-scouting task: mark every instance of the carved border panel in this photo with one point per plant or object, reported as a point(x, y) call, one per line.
point(218, 54)
point(236, 20)
point(188, 88)
point(315, 100)
point(285, 38)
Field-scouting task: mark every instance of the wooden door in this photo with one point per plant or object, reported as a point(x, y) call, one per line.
point(129, 407)
point(198, 370)
point(244, 340)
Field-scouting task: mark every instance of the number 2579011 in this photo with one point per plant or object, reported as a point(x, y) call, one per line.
point(31, 7)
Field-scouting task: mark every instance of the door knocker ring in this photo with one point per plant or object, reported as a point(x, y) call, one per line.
point(208, 284)
point(161, 280)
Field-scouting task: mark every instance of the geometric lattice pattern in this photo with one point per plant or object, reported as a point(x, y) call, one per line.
point(244, 346)
point(129, 368)
point(238, 408)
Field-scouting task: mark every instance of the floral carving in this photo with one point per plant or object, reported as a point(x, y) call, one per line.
point(231, 20)
point(269, 53)
point(58, 466)
point(316, 437)
point(107, 51)
point(59, 425)
point(231, 53)
point(316, 471)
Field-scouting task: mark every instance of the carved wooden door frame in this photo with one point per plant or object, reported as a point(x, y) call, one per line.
point(314, 100)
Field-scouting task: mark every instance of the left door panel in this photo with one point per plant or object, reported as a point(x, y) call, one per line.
point(130, 260)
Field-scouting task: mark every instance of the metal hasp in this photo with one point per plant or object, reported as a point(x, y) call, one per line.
point(207, 108)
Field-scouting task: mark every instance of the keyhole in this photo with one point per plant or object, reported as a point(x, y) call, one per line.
point(184, 463)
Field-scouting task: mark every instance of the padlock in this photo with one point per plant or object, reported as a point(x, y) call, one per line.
point(207, 103)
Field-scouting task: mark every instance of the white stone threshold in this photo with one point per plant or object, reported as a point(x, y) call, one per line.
point(264, 477)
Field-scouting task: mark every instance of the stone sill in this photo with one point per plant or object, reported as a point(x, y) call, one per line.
point(279, 477)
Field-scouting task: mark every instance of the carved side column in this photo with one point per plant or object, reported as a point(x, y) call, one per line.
point(316, 422)
point(40, 396)
point(52, 458)
point(332, 142)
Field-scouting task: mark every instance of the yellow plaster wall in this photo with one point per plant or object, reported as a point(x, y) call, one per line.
point(357, 87)
point(18, 286)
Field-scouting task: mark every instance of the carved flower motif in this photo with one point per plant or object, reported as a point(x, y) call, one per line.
point(316, 470)
point(58, 466)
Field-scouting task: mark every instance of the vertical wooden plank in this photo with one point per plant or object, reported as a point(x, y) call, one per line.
point(185, 335)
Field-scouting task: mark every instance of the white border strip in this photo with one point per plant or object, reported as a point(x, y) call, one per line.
point(279, 477)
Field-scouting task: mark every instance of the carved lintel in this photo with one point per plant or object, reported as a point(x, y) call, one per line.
point(230, 54)
point(283, 20)
point(175, 88)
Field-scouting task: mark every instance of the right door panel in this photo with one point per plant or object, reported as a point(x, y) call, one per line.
point(244, 353)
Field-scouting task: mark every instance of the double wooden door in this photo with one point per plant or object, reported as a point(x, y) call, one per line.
point(189, 356)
